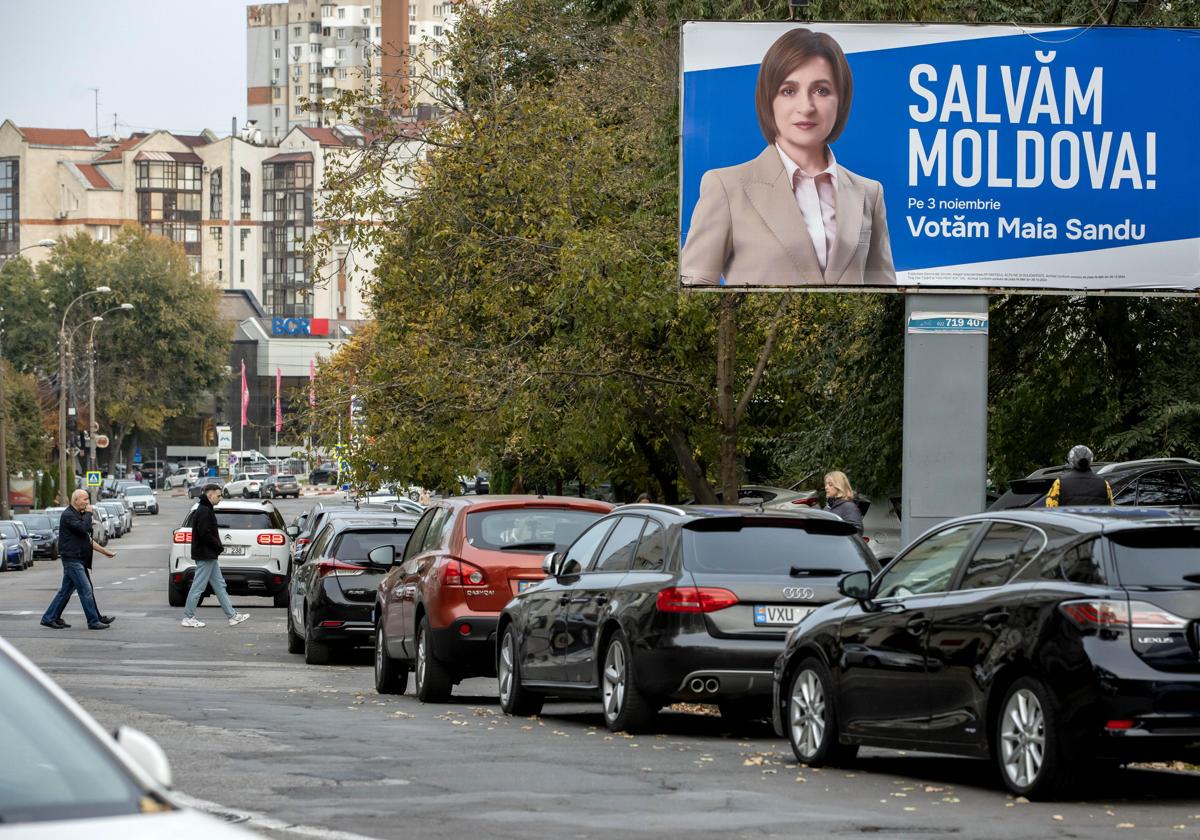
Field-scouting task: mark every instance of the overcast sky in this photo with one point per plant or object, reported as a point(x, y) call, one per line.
point(173, 64)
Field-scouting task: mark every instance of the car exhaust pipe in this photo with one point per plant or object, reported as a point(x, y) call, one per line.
point(697, 685)
point(711, 685)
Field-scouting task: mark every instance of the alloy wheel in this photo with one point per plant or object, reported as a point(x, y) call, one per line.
point(615, 675)
point(806, 712)
point(421, 654)
point(378, 656)
point(507, 657)
point(1023, 738)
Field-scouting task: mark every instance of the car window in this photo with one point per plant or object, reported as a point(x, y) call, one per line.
point(437, 530)
point(617, 554)
point(245, 520)
point(535, 529)
point(1164, 557)
point(750, 546)
point(651, 551)
point(9, 531)
point(354, 546)
point(1004, 549)
point(417, 537)
point(579, 555)
point(1127, 495)
point(1164, 487)
point(929, 565)
point(317, 549)
point(1192, 479)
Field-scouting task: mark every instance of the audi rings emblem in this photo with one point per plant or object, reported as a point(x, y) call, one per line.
point(798, 593)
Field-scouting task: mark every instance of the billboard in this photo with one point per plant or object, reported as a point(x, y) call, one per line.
point(935, 157)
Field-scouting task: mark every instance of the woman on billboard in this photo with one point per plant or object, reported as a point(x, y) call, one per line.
point(792, 216)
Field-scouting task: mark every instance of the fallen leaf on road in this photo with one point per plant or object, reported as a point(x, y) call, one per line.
point(1021, 800)
point(1126, 825)
point(1057, 818)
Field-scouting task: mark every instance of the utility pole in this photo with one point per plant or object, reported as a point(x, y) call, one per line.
point(4, 512)
point(93, 426)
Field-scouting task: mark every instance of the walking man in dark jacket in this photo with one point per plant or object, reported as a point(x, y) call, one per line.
point(206, 552)
point(1080, 486)
point(75, 546)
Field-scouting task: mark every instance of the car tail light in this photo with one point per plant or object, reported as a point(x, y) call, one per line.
point(271, 539)
point(303, 541)
point(337, 568)
point(181, 537)
point(1117, 615)
point(694, 599)
point(1119, 724)
point(457, 572)
point(807, 501)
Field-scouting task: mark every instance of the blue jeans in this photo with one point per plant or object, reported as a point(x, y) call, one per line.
point(74, 578)
point(208, 572)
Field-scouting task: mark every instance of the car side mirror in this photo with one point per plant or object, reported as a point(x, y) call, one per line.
point(292, 531)
point(384, 555)
point(552, 562)
point(856, 585)
point(146, 754)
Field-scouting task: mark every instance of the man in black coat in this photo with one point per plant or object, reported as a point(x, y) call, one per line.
point(206, 553)
point(75, 547)
point(1080, 486)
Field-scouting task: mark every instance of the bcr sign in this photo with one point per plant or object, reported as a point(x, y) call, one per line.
point(298, 327)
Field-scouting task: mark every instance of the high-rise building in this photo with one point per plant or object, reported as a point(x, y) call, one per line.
point(302, 54)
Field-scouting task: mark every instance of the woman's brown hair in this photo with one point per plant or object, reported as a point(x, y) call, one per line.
point(793, 48)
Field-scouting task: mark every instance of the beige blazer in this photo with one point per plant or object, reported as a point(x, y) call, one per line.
point(748, 228)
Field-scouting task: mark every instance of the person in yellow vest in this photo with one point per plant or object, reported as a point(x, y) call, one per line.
point(1080, 486)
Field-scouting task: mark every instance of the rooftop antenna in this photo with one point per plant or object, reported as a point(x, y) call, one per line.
point(96, 105)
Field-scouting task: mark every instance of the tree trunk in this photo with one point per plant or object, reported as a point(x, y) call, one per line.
point(692, 474)
point(726, 408)
point(664, 471)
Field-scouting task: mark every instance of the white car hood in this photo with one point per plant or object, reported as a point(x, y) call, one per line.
point(177, 825)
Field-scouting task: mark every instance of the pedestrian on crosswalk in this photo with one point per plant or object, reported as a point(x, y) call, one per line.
point(75, 547)
point(206, 552)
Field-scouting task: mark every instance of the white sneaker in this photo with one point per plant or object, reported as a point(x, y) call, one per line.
point(238, 619)
point(192, 622)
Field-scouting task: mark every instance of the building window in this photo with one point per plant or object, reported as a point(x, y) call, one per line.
point(437, 31)
point(312, 88)
point(10, 206)
point(412, 11)
point(342, 74)
point(287, 226)
point(168, 197)
point(314, 49)
point(242, 271)
point(412, 29)
point(243, 235)
point(103, 233)
point(296, 51)
point(298, 90)
point(275, 132)
point(276, 113)
point(274, 34)
point(216, 233)
point(341, 34)
point(220, 272)
point(341, 54)
point(245, 195)
point(341, 13)
point(214, 194)
point(296, 30)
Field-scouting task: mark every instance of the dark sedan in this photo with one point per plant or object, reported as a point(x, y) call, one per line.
point(323, 474)
point(43, 531)
point(656, 604)
point(332, 591)
point(1051, 641)
point(280, 487)
point(197, 489)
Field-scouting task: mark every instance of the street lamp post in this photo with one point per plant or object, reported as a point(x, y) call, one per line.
point(4, 511)
point(94, 427)
point(64, 355)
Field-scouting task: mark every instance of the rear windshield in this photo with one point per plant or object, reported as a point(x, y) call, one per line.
point(138, 491)
point(1022, 493)
point(1158, 556)
point(245, 520)
point(355, 545)
point(756, 549)
point(33, 520)
point(534, 529)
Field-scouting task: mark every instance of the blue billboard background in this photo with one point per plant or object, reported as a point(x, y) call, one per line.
point(1150, 84)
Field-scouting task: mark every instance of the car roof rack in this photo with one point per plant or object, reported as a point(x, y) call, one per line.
point(1148, 462)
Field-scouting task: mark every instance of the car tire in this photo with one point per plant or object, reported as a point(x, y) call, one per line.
point(1033, 756)
point(282, 598)
point(626, 708)
point(317, 653)
point(391, 677)
point(515, 698)
point(176, 597)
point(433, 680)
point(295, 642)
point(810, 719)
point(224, 493)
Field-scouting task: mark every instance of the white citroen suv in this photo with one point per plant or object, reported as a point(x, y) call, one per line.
point(255, 560)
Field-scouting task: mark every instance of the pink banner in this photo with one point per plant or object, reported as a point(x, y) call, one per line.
point(245, 394)
point(312, 378)
point(278, 410)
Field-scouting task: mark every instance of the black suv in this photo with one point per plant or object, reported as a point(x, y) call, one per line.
point(1053, 641)
point(655, 604)
point(1153, 482)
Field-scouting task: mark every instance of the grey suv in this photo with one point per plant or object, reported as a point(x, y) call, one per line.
point(1150, 482)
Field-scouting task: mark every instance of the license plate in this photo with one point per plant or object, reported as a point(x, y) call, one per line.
point(522, 585)
point(239, 550)
point(766, 615)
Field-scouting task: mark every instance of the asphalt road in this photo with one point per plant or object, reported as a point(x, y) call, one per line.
point(299, 751)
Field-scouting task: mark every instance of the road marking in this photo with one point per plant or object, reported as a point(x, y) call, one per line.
point(16, 612)
point(256, 820)
point(143, 546)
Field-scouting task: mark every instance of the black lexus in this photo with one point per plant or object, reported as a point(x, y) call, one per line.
point(655, 604)
point(1049, 640)
point(332, 589)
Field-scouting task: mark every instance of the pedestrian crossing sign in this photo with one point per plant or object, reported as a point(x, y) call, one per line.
point(93, 478)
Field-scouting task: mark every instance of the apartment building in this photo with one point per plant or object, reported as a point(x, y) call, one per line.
point(300, 55)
